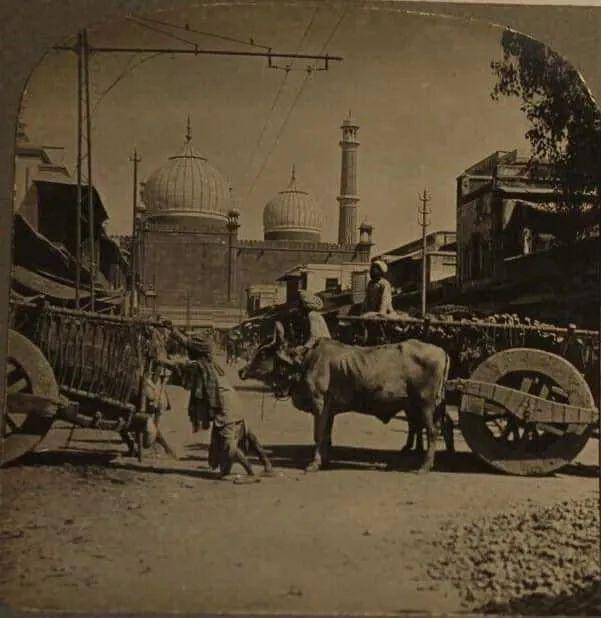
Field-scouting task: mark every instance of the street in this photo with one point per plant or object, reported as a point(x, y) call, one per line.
point(86, 529)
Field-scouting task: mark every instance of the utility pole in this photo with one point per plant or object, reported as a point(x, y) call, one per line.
point(92, 247)
point(423, 212)
point(188, 312)
point(133, 264)
point(79, 141)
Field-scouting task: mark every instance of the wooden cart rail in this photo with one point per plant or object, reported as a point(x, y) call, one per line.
point(483, 324)
point(96, 359)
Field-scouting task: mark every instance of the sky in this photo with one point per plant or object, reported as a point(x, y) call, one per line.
point(418, 87)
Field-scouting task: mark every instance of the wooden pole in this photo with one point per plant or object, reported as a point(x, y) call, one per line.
point(423, 211)
point(79, 141)
point(92, 248)
point(134, 240)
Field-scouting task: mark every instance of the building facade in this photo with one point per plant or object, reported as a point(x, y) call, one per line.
point(194, 265)
point(510, 256)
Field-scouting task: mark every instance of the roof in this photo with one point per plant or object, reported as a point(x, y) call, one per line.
point(33, 282)
point(66, 188)
point(522, 187)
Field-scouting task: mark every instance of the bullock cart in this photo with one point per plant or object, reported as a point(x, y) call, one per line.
point(81, 367)
point(523, 407)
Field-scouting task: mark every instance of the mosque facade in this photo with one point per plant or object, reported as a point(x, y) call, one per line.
point(194, 268)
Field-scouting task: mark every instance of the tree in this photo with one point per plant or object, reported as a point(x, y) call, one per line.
point(565, 135)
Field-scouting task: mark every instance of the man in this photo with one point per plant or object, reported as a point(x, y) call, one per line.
point(315, 326)
point(378, 294)
point(214, 399)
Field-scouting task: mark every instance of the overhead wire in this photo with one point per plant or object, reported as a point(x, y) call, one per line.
point(279, 92)
point(309, 72)
point(131, 66)
point(137, 21)
point(202, 32)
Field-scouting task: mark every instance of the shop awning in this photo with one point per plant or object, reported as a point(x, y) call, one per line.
point(30, 283)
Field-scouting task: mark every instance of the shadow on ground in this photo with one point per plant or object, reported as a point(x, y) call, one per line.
point(287, 456)
point(585, 602)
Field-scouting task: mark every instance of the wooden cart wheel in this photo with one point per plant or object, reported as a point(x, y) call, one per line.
point(27, 372)
point(511, 445)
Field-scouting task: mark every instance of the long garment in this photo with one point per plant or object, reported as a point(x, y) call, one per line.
point(318, 329)
point(378, 297)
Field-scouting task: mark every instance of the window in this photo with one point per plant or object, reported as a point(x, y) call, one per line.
point(331, 284)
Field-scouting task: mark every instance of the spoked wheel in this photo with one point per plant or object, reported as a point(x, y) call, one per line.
point(527, 448)
point(29, 383)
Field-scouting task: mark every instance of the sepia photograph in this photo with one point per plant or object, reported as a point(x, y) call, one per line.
point(302, 310)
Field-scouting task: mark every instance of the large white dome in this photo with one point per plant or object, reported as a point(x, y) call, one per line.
point(292, 214)
point(187, 185)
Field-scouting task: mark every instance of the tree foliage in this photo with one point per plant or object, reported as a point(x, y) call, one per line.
point(565, 121)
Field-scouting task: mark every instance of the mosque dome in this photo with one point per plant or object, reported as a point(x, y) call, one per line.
point(187, 185)
point(292, 214)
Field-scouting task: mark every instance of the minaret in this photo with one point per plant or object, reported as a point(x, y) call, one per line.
point(348, 198)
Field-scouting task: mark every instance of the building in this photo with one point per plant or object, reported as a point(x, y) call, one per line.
point(405, 262)
point(194, 266)
point(317, 278)
point(45, 232)
point(509, 254)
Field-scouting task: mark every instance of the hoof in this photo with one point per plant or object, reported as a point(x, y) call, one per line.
point(312, 467)
point(423, 470)
point(268, 474)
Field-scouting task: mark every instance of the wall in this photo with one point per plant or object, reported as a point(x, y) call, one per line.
point(264, 262)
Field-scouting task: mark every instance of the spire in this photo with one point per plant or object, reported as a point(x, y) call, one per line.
point(188, 131)
point(292, 183)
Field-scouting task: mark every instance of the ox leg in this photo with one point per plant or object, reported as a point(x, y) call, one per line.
point(320, 434)
point(428, 412)
point(447, 431)
point(411, 436)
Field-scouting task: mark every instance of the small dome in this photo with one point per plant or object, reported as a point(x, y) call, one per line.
point(292, 214)
point(187, 185)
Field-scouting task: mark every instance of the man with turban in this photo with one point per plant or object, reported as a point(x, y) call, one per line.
point(378, 294)
point(315, 326)
point(214, 400)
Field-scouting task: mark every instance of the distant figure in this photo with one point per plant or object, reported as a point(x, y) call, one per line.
point(230, 351)
point(378, 294)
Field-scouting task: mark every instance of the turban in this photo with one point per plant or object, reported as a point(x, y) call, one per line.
point(310, 301)
point(381, 265)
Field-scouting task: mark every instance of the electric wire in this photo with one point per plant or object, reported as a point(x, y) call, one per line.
point(187, 28)
point(309, 72)
point(279, 93)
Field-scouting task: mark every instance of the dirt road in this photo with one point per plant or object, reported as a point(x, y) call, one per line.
point(84, 528)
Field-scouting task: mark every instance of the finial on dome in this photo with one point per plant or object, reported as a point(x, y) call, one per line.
point(292, 183)
point(188, 130)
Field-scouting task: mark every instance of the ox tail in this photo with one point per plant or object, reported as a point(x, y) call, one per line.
point(440, 395)
point(442, 418)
